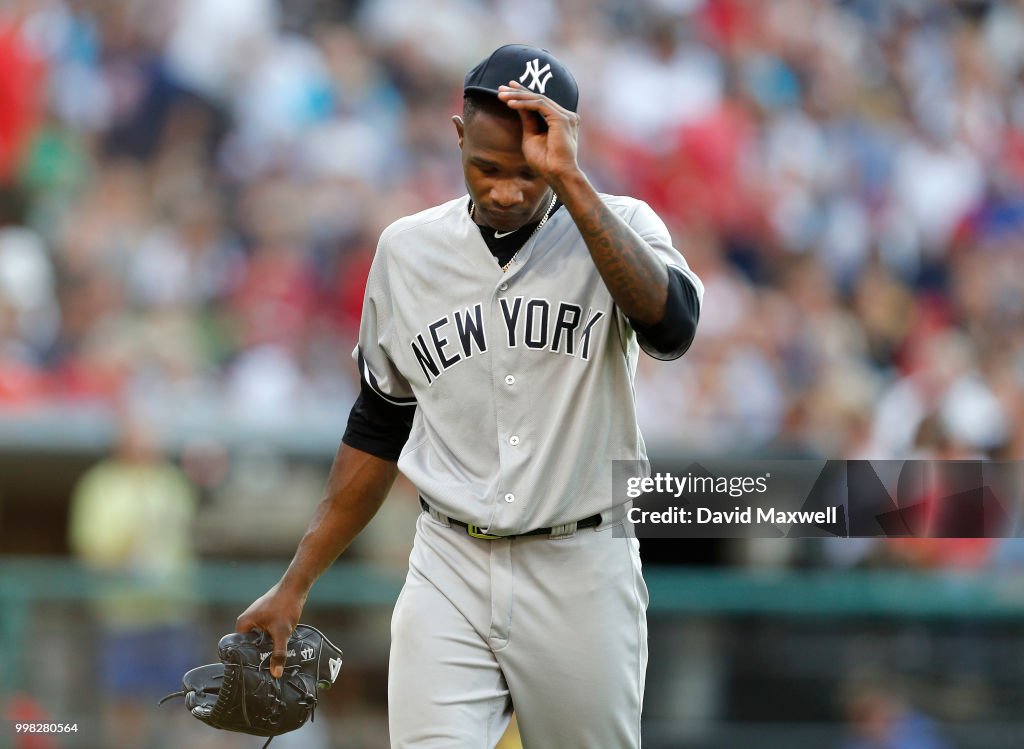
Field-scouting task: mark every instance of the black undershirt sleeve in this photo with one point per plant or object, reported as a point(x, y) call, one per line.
point(671, 337)
point(378, 427)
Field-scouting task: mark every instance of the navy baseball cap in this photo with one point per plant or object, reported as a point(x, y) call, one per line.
point(536, 68)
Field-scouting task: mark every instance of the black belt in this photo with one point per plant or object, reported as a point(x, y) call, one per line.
point(474, 530)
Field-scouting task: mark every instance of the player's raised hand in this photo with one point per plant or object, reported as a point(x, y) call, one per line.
point(550, 152)
point(276, 612)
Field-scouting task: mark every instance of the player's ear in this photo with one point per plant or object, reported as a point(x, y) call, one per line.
point(460, 128)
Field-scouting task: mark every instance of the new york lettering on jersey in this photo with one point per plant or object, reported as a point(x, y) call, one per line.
point(537, 324)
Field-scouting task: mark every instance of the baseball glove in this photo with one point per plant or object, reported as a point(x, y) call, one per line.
point(239, 694)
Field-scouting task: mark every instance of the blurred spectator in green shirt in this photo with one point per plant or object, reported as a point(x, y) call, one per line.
point(131, 522)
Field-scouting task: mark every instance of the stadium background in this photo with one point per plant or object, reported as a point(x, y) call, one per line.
point(190, 194)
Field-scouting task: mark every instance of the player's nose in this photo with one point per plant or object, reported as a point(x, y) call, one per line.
point(506, 195)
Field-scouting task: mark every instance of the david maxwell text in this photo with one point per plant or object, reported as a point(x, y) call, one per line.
point(735, 516)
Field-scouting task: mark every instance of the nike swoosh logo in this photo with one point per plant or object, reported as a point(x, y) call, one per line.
point(500, 234)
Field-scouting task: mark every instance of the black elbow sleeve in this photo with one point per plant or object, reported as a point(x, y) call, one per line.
point(378, 427)
point(670, 337)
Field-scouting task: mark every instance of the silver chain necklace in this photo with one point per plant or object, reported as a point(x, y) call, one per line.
point(544, 220)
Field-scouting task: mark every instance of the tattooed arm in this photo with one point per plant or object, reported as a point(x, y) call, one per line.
point(636, 277)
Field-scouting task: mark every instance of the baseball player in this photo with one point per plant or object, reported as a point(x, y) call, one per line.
point(498, 346)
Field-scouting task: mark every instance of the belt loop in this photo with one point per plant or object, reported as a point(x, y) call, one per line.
point(563, 531)
point(439, 517)
point(436, 514)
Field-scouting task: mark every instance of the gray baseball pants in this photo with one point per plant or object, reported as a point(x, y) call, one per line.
point(554, 628)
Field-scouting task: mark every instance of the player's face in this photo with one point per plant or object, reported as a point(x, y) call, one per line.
point(506, 192)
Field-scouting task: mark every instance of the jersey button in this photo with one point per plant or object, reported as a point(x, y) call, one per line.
point(513, 440)
point(510, 380)
point(510, 498)
point(504, 287)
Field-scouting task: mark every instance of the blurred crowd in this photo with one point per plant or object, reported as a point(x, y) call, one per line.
point(192, 192)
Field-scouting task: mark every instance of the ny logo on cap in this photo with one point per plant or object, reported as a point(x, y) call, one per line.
point(534, 69)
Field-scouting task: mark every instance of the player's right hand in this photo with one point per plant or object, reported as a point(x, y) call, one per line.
point(276, 612)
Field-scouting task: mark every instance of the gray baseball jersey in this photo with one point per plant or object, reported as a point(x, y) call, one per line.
point(522, 381)
point(523, 387)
